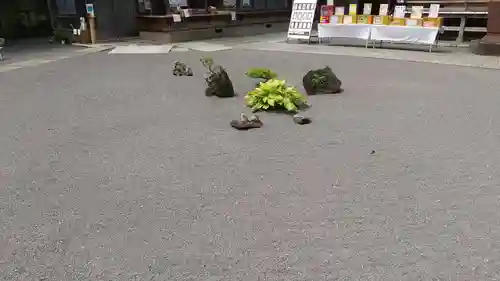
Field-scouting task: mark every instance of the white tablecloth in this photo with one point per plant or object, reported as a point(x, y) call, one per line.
point(406, 34)
point(359, 31)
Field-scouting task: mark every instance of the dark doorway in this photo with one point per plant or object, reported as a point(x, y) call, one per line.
point(24, 19)
point(115, 19)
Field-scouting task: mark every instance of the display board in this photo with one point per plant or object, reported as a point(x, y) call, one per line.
point(301, 20)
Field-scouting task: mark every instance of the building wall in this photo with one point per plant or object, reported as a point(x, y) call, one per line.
point(114, 18)
point(163, 7)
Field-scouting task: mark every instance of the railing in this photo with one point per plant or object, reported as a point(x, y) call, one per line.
point(456, 5)
point(457, 9)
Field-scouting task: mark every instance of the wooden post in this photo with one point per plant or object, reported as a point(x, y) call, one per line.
point(93, 35)
point(490, 44)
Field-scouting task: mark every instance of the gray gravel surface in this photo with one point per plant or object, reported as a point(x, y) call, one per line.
point(112, 169)
point(42, 50)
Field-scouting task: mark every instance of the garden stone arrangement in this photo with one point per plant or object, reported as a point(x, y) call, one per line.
point(270, 93)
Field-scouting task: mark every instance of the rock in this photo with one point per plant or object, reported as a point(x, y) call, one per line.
point(181, 69)
point(301, 120)
point(218, 83)
point(255, 120)
point(246, 124)
point(321, 81)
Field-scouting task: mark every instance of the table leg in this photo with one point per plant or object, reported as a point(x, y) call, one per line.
point(461, 30)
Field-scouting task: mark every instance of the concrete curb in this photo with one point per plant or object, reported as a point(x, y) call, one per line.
point(37, 62)
point(465, 60)
point(95, 46)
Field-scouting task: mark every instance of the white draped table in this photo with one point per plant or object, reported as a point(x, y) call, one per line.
point(405, 34)
point(358, 31)
point(372, 32)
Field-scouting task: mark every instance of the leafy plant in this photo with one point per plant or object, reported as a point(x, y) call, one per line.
point(207, 62)
point(275, 95)
point(318, 80)
point(261, 73)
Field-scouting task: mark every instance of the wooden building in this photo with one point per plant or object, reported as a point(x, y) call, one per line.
point(199, 19)
point(154, 19)
point(158, 19)
point(114, 18)
point(43, 18)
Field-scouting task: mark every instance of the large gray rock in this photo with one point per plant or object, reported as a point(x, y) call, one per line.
point(321, 81)
point(218, 83)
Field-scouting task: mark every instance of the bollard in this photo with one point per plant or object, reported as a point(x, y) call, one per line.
point(93, 35)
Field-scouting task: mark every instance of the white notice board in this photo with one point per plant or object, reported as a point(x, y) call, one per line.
point(302, 19)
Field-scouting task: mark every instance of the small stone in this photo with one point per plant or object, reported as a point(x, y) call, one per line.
point(246, 124)
point(301, 120)
point(181, 69)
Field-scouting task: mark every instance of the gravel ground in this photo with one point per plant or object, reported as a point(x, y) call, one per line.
point(43, 50)
point(112, 169)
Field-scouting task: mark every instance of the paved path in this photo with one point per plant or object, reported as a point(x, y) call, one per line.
point(444, 54)
point(30, 56)
point(112, 169)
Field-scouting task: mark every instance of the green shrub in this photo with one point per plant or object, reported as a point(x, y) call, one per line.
point(207, 62)
point(261, 73)
point(275, 95)
point(318, 80)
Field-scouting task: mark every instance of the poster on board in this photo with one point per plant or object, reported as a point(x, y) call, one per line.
point(301, 20)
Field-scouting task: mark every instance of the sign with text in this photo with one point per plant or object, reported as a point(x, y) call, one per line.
point(90, 10)
point(367, 9)
point(353, 9)
point(416, 12)
point(399, 12)
point(384, 10)
point(434, 11)
point(302, 19)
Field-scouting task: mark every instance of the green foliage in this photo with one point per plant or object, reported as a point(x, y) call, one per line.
point(318, 80)
point(207, 62)
point(275, 95)
point(261, 73)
